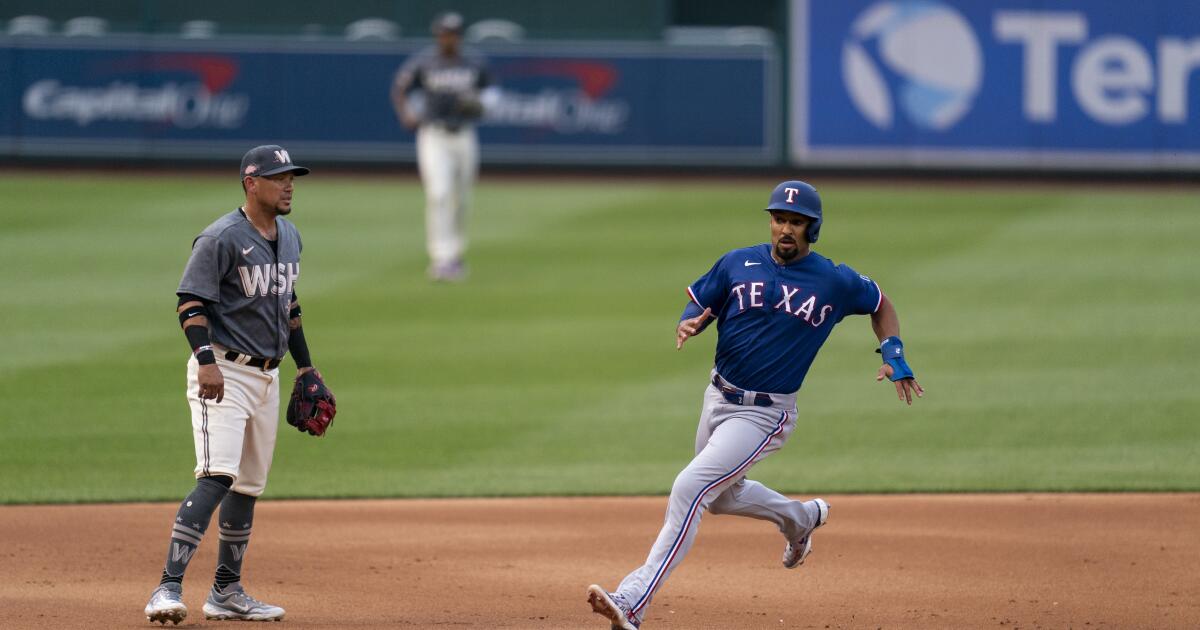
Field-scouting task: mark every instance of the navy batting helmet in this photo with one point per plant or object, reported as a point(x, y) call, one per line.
point(801, 198)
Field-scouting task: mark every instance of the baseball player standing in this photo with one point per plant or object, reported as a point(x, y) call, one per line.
point(454, 86)
point(775, 305)
point(238, 310)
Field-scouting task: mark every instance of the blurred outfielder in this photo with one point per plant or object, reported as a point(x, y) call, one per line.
point(441, 91)
point(775, 305)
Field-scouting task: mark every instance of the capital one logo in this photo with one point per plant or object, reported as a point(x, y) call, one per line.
point(182, 90)
point(919, 57)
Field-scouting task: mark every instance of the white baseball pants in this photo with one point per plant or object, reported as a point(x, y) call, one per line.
point(730, 439)
point(236, 436)
point(449, 163)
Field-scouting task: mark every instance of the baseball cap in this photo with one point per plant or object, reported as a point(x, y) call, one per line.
point(450, 22)
point(269, 159)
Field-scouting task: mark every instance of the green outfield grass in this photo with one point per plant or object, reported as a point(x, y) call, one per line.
point(1053, 327)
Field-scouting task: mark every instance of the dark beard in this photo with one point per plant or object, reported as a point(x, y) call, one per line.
point(788, 255)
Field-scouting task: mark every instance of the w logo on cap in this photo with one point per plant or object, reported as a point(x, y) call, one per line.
point(269, 159)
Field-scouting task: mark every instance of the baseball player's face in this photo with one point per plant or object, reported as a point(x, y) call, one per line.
point(787, 235)
point(448, 42)
point(274, 191)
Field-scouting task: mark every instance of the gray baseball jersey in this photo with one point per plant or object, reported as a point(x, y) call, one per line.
point(445, 81)
point(248, 282)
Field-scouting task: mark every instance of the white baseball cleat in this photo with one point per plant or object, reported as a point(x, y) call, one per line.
point(604, 604)
point(234, 603)
point(166, 604)
point(795, 552)
point(453, 271)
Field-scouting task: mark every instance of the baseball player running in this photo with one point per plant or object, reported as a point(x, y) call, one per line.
point(454, 87)
point(775, 305)
point(238, 310)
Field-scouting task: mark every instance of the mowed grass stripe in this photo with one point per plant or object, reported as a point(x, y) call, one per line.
point(1050, 325)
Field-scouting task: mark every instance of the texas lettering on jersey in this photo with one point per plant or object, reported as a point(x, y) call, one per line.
point(750, 295)
point(773, 318)
point(273, 278)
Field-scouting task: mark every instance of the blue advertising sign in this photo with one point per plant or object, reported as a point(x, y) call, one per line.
point(1051, 83)
point(619, 103)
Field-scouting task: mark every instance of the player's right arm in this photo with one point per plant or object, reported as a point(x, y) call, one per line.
point(199, 288)
point(690, 327)
point(407, 78)
point(193, 318)
point(705, 294)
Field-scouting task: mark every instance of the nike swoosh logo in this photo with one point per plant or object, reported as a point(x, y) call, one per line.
point(246, 251)
point(751, 264)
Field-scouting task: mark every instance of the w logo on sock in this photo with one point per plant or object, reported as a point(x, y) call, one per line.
point(238, 551)
point(181, 553)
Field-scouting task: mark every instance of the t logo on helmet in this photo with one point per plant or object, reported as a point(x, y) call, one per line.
point(792, 192)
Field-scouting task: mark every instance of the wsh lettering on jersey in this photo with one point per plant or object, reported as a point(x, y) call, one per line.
point(451, 79)
point(273, 278)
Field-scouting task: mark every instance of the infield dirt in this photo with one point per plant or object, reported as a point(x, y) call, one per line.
point(897, 561)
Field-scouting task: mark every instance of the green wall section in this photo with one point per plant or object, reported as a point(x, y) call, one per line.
point(613, 19)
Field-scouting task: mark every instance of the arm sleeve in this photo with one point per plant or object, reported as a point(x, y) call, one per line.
point(205, 267)
point(862, 294)
point(709, 291)
point(188, 297)
point(298, 347)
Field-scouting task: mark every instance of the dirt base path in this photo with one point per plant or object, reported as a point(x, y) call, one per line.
point(944, 561)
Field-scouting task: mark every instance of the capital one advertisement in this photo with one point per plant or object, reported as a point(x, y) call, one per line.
point(996, 83)
point(617, 103)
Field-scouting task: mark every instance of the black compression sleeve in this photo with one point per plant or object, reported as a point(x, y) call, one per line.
point(190, 312)
point(188, 297)
point(200, 343)
point(299, 348)
point(197, 336)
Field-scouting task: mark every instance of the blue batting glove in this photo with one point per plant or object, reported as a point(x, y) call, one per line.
point(892, 350)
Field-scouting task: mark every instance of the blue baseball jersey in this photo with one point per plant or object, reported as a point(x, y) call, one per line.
point(772, 318)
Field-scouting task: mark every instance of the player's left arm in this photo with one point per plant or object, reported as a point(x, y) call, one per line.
point(312, 406)
point(489, 90)
point(297, 345)
point(886, 324)
point(482, 96)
